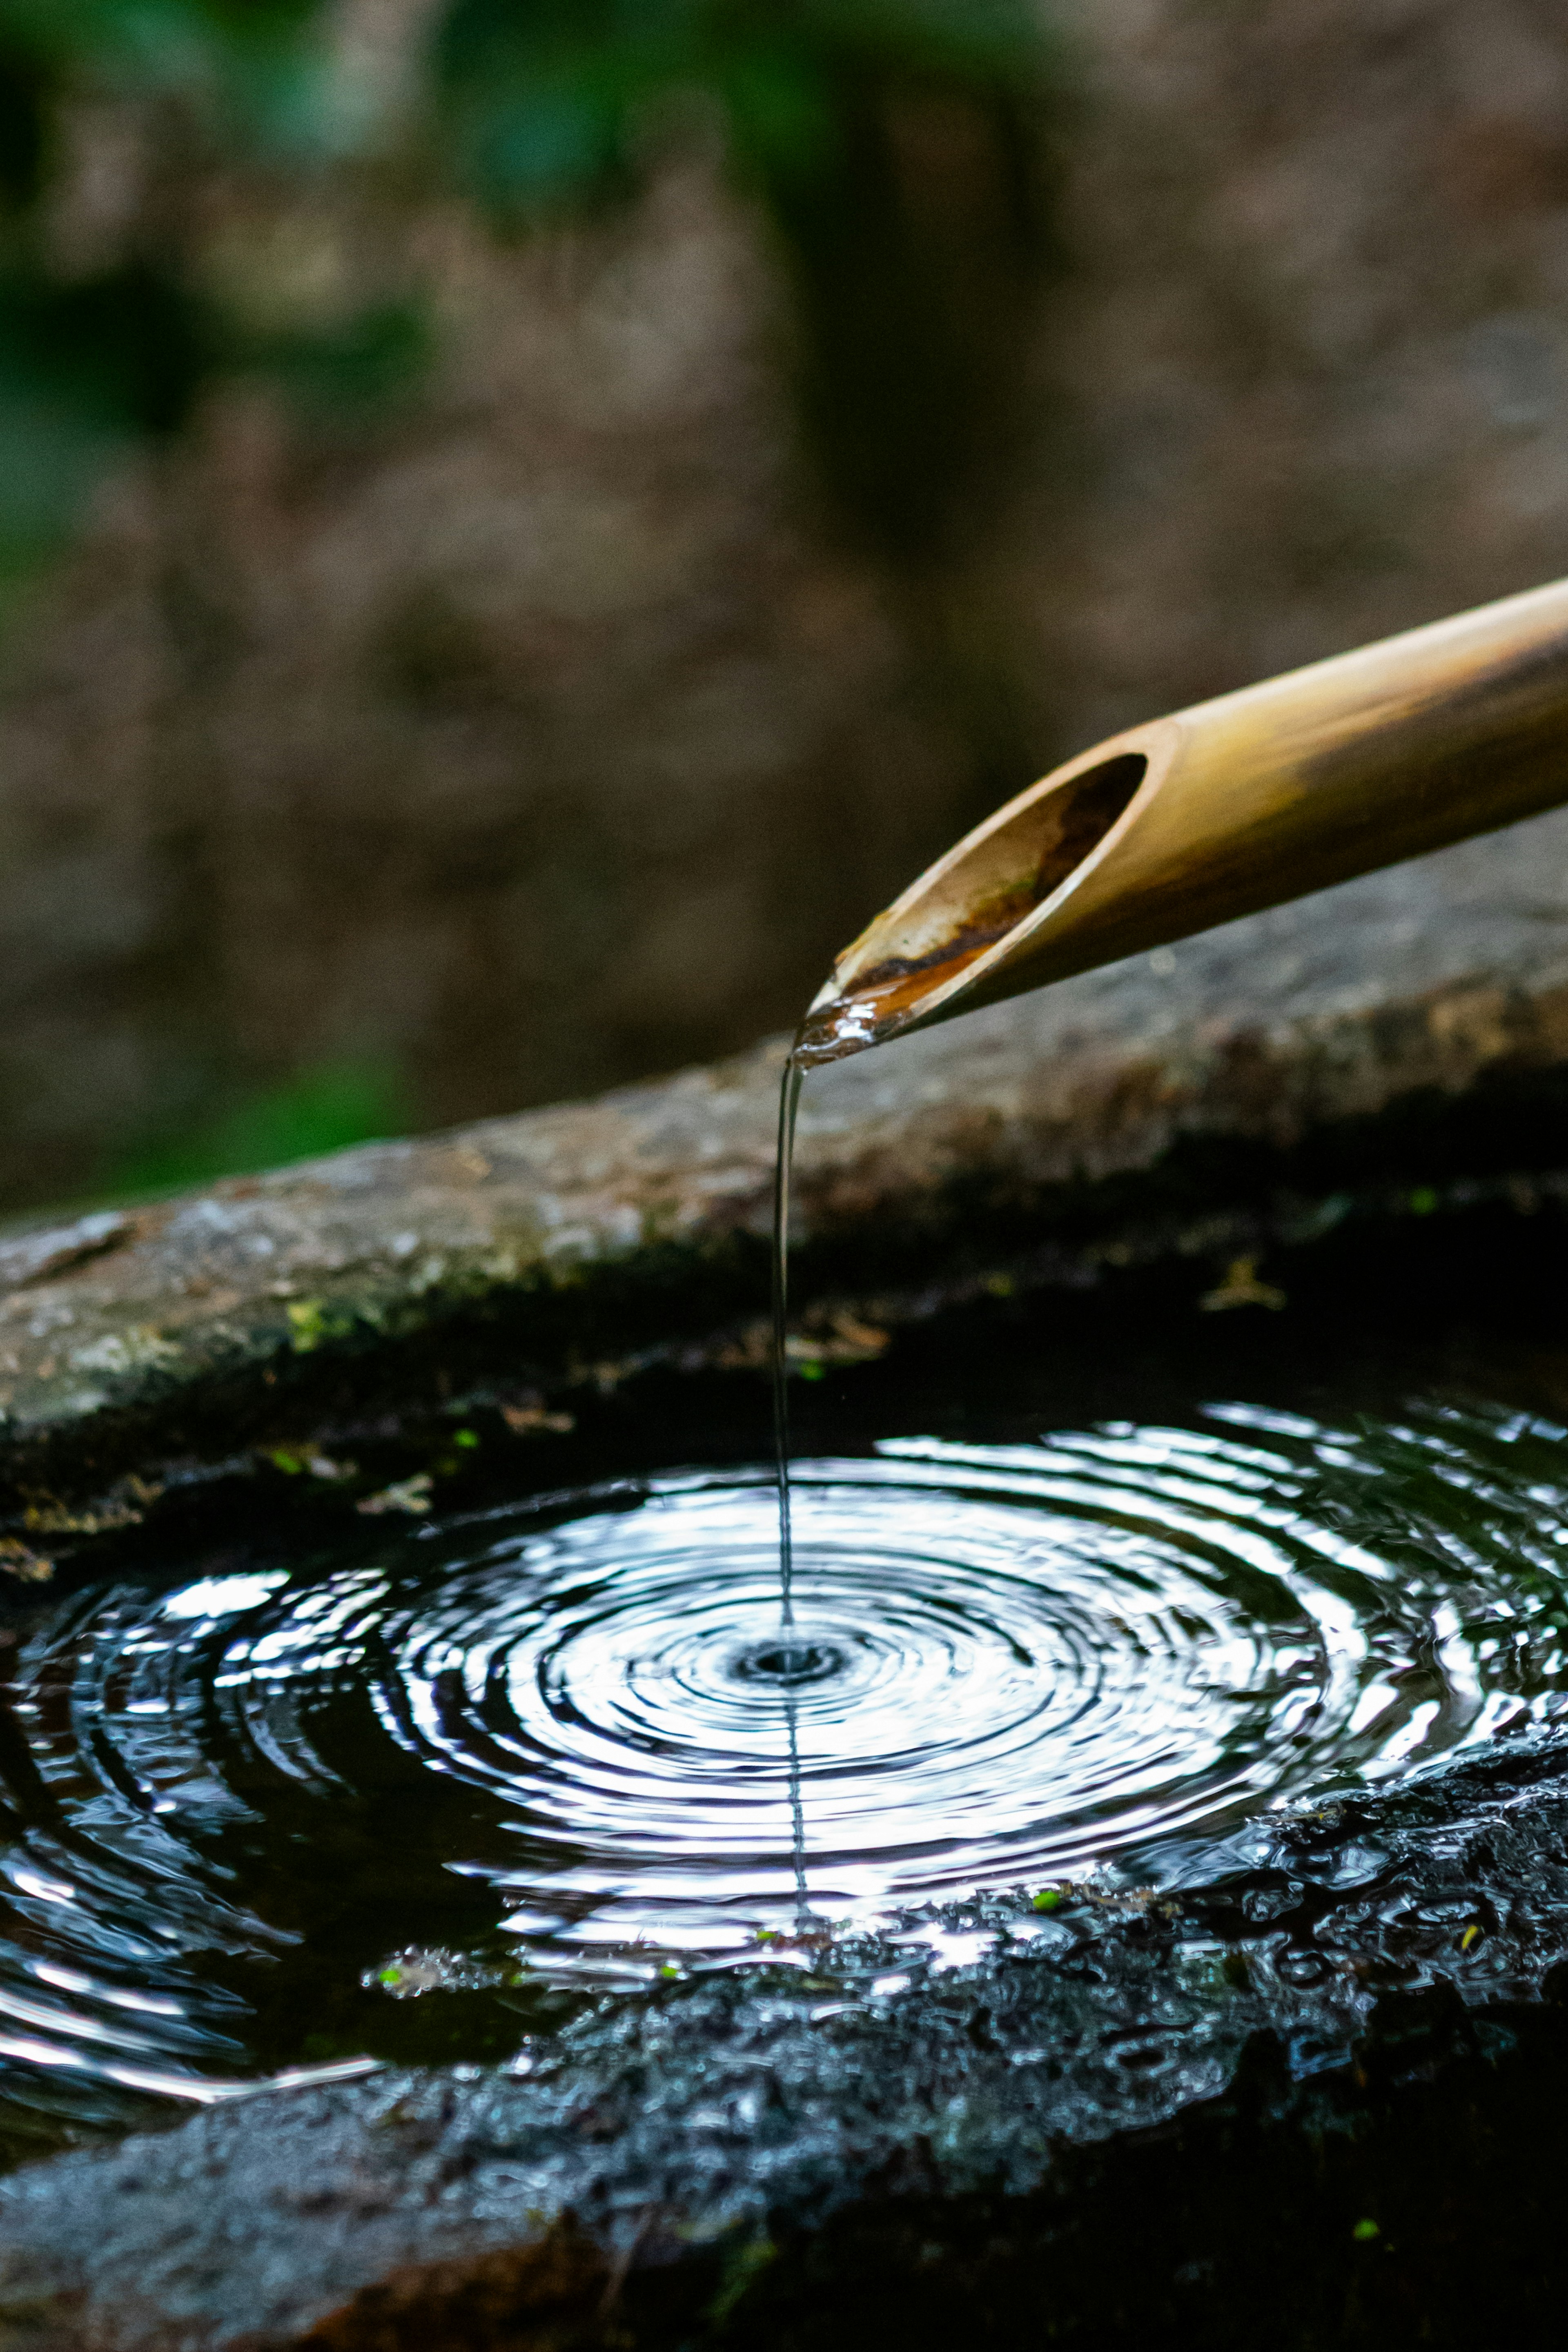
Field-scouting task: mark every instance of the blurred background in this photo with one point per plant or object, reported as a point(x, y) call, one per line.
point(523, 522)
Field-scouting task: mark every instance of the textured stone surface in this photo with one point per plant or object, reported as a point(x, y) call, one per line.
point(1324, 1959)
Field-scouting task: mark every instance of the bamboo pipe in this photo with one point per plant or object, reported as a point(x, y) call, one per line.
point(1235, 805)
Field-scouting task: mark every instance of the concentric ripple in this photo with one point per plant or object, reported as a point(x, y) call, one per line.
point(579, 1733)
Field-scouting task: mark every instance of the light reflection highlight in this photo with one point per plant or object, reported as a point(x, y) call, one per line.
point(1009, 1664)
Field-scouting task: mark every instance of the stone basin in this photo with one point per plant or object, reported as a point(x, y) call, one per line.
point(1310, 2094)
point(1131, 2118)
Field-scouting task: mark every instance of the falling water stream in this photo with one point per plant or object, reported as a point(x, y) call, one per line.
point(787, 1662)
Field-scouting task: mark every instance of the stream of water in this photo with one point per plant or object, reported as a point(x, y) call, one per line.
point(786, 1662)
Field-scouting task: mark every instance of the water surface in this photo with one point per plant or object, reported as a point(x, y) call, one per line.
point(523, 1753)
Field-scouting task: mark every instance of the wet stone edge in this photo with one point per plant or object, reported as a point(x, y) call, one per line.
point(723, 2158)
point(393, 1375)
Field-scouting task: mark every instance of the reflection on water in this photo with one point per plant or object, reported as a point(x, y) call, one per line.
point(554, 1745)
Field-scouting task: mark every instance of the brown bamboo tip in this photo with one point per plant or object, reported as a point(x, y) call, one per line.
point(1235, 804)
point(961, 917)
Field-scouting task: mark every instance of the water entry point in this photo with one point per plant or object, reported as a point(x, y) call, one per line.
point(787, 1663)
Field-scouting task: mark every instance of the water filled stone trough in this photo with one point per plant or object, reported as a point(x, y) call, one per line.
point(1235, 1274)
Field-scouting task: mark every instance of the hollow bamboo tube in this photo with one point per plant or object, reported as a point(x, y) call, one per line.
point(1235, 805)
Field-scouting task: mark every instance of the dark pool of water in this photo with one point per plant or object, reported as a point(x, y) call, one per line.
point(256, 1800)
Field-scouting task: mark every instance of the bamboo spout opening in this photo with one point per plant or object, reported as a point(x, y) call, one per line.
point(1056, 833)
point(1239, 802)
point(967, 905)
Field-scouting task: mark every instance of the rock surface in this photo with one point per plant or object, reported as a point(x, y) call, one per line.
point(697, 2161)
point(1408, 1032)
point(1345, 2021)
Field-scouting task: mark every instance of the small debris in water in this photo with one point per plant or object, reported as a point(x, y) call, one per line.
point(18, 1560)
point(422, 1969)
point(749, 1351)
point(532, 1419)
point(1241, 1287)
point(411, 1494)
point(47, 1519)
point(293, 1459)
point(843, 1338)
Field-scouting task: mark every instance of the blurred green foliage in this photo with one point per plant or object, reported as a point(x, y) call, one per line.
point(896, 147)
point(323, 1108)
point(99, 359)
point(551, 100)
point(250, 65)
point(893, 144)
point(898, 151)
